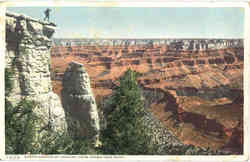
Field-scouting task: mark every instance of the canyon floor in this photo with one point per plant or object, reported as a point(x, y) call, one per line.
point(198, 95)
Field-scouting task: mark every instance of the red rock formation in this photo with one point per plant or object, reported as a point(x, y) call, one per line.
point(203, 88)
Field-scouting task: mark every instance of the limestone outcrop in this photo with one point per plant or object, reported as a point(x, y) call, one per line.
point(79, 103)
point(28, 42)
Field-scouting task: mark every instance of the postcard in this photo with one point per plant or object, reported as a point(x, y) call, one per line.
point(124, 80)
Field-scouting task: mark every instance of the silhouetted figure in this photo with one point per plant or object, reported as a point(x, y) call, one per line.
point(46, 12)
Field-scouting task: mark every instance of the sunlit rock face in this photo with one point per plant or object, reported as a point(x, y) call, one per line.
point(28, 42)
point(79, 103)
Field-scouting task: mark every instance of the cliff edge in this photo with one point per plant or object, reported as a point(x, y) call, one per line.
point(28, 43)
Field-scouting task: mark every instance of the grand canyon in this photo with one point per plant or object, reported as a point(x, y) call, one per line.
point(132, 95)
point(194, 87)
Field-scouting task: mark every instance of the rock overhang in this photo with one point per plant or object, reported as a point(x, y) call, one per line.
point(16, 23)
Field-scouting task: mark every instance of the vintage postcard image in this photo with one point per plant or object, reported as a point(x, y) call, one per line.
point(96, 81)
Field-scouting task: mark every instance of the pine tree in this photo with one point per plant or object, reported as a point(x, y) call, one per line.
point(125, 132)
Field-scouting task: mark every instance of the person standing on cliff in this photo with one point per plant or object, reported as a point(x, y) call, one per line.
point(46, 12)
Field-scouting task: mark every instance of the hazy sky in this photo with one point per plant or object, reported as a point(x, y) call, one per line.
point(107, 22)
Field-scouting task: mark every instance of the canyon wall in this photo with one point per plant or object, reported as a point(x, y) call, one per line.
point(27, 54)
point(205, 84)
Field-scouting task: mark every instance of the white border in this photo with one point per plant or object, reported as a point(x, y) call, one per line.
point(72, 3)
point(22, 3)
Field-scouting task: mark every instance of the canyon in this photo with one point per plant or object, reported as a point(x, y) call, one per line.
point(192, 89)
point(193, 86)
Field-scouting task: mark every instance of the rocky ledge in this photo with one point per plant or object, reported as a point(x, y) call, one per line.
point(28, 42)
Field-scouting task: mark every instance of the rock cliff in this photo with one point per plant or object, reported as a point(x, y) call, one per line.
point(27, 53)
point(79, 103)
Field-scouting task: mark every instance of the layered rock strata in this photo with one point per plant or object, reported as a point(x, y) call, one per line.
point(27, 53)
point(79, 103)
point(175, 44)
point(202, 84)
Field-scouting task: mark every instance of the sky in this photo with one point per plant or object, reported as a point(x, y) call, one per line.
point(139, 22)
